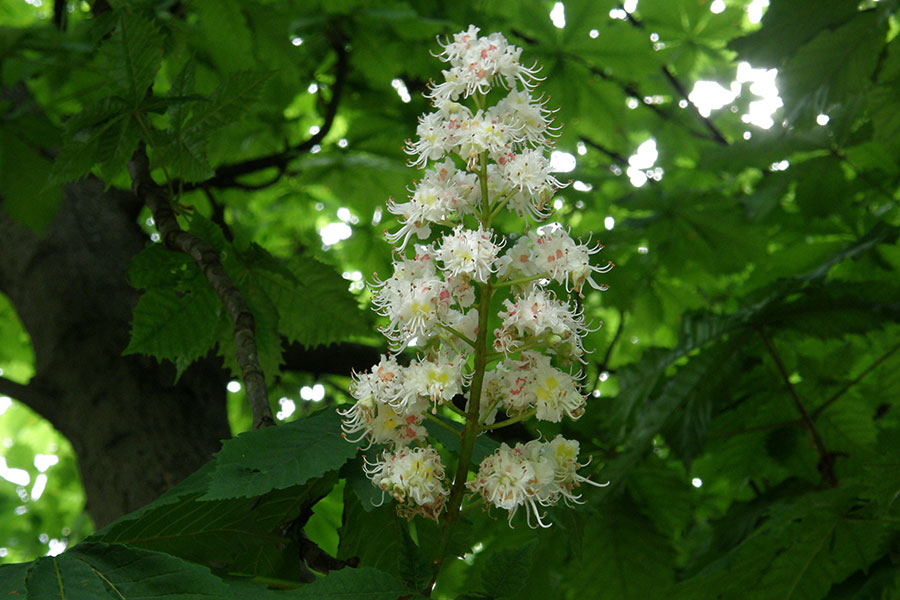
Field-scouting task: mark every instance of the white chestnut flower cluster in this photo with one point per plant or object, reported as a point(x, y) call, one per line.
point(530, 474)
point(453, 271)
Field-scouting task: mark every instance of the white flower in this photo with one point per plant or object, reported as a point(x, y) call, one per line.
point(414, 299)
point(538, 314)
point(484, 132)
point(508, 480)
point(532, 382)
point(443, 194)
point(528, 118)
point(463, 323)
point(438, 379)
point(554, 254)
point(469, 252)
point(379, 423)
point(414, 477)
point(479, 61)
point(564, 454)
point(435, 139)
point(529, 172)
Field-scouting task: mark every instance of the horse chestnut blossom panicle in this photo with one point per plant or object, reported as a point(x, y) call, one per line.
point(484, 151)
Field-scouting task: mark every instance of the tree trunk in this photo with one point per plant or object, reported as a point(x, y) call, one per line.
point(134, 431)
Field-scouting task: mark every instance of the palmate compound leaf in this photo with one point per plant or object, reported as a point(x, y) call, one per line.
point(257, 462)
point(95, 571)
point(654, 413)
point(625, 555)
point(835, 65)
point(364, 583)
point(241, 535)
point(802, 549)
point(132, 55)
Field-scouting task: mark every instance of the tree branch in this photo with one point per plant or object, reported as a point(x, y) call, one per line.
point(174, 238)
point(337, 359)
point(670, 77)
point(27, 394)
point(616, 157)
point(226, 176)
point(60, 12)
point(826, 458)
point(834, 398)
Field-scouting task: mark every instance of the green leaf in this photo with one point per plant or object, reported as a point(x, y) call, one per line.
point(93, 571)
point(244, 535)
point(882, 104)
point(413, 566)
point(363, 583)
point(23, 178)
point(273, 458)
point(314, 306)
point(627, 558)
point(787, 25)
point(228, 102)
point(506, 571)
point(228, 40)
point(371, 533)
point(12, 579)
point(132, 55)
point(157, 266)
point(171, 325)
point(835, 65)
point(656, 412)
point(801, 551)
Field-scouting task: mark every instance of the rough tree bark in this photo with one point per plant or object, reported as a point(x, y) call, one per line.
point(134, 431)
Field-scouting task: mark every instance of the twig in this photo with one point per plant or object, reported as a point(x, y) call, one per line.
point(174, 238)
point(218, 215)
point(826, 458)
point(834, 398)
point(670, 77)
point(713, 130)
point(226, 175)
point(616, 157)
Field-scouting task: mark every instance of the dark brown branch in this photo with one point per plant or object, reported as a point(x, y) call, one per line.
point(670, 77)
point(616, 157)
point(603, 365)
point(836, 396)
point(27, 394)
point(710, 127)
point(632, 90)
point(226, 176)
point(826, 458)
point(173, 237)
point(218, 215)
point(60, 14)
point(337, 359)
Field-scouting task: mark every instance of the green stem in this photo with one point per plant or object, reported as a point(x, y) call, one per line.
point(472, 428)
point(496, 210)
point(484, 415)
point(485, 201)
point(431, 417)
point(454, 408)
point(470, 432)
point(457, 334)
point(525, 415)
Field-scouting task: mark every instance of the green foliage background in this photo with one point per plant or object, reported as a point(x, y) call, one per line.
point(759, 273)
